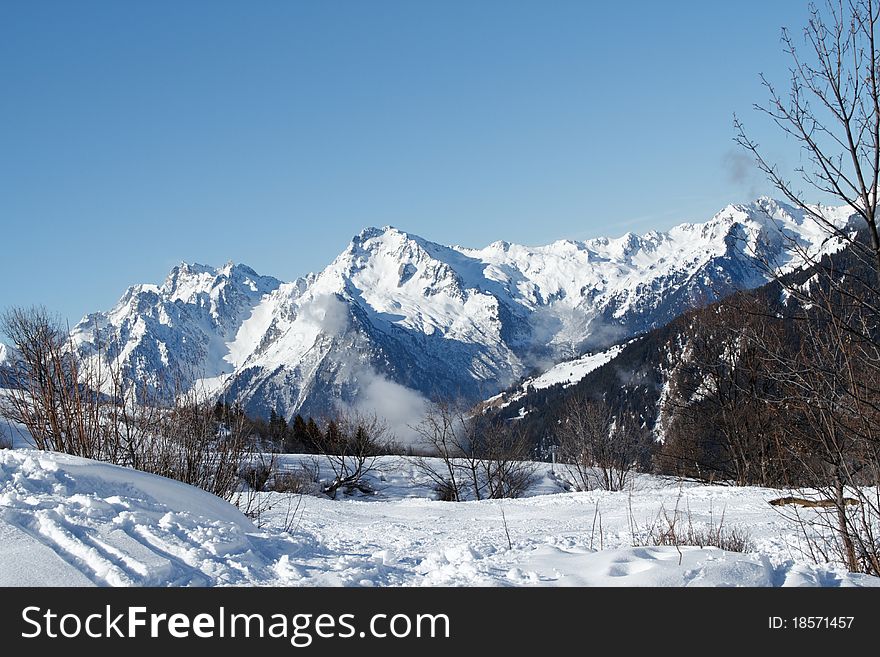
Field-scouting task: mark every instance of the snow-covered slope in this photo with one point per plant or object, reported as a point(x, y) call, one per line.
point(396, 318)
point(572, 371)
point(70, 521)
point(567, 373)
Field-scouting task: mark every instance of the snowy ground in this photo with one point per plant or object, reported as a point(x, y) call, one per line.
point(403, 537)
point(69, 521)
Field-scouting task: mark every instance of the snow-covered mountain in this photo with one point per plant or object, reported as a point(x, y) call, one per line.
point(396, 318)
point(173, 333)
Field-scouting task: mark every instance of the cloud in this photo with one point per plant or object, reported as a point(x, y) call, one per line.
point(400, 407)
point(567, 333)
point(328, 312)
point(742, 171)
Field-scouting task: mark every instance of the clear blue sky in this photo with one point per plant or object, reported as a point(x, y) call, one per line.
point(134, 135)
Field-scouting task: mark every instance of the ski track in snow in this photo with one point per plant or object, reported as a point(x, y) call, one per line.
point(69, 521)
point(117, 535)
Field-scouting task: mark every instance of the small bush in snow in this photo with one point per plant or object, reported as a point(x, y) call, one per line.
point(256, 475)
point(445, 492)
point(351, 444)
point(679, 529)
point(301, 481)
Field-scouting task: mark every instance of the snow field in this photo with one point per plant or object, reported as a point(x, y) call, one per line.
point(70, 521)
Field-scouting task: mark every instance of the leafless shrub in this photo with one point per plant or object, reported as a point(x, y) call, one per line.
point(260, 471)
point(477, 460)
point(189, 445)
point(301, 480)
point(677, 528)
point(293, 513)
point(49, 391)
point(292, 482)
point(5, 441)
point(85, 406)
point(445, 492)
point(732, 539)
point(267, 488)
point(444, 434)
point(504, 457)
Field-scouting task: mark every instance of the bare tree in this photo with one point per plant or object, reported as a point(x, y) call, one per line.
point(504, 456)
point(599, 447)
point(449, 433)
point(477, 459)
point(829, 379)
point(441, 433)
point(832, 110)
point(351, 444)
point(583, 425)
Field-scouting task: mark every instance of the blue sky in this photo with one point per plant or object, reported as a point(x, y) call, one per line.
point(137, 135)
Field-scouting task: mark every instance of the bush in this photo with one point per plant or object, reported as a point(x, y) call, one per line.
point(257, 475)
point(303, 480)
point(445, 492)
point(598, 447)
point(678, 529)
point(734, 539)
point(351, 444)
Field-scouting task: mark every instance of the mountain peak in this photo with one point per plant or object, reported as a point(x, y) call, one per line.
point(196, 269)
point(193, 268)
point(372, 232)
point(189, 272)
point(189, 280)
point(389, 240)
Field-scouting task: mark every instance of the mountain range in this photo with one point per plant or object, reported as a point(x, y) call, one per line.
point(396, 319)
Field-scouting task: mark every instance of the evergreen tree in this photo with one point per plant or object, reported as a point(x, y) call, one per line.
point(313, 435)
point(297, 438)
point(277, 429)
